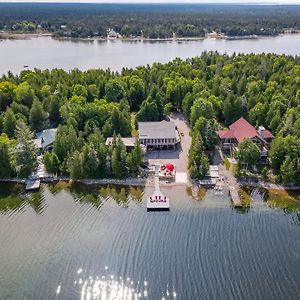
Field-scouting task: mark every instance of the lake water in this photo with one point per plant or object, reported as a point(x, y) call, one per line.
point(45, 52)
point(100, 243)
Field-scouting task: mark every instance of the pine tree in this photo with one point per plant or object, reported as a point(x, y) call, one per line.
point(37, 116)
point(5, 156)
point(24, 158)
point(9, 123)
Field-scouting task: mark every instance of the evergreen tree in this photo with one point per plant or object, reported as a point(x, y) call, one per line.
point(198, 162)
point(75, 165)
point(24, 157)
point(38, 116)
point(248, 154)
point(6, 145)
point(51, 162)
point(201, 108)
point(9, 123)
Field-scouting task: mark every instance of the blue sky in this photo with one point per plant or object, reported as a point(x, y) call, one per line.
point(167, 1)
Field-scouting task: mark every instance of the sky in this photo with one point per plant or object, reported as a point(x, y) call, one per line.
point(167, 1)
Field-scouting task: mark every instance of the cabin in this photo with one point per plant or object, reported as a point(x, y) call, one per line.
point(158, 135)
point(44, 140)
point(242, 129)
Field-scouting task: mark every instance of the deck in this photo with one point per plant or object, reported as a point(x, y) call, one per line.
point(157, 201)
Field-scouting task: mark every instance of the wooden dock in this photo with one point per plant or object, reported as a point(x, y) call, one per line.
point(235, 197)
point(157, 201)
point(32, 184)
point(207, 183)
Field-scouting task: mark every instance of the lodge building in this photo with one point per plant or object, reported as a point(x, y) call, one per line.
point(161, 134)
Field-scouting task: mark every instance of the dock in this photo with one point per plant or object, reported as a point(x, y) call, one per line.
point(207, 183)
point(32, 184)
point(157, 201)
point(235, 197)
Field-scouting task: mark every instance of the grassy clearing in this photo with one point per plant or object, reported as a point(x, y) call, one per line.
point(288, 200)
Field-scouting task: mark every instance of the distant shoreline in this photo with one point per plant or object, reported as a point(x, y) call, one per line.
point(5, 35)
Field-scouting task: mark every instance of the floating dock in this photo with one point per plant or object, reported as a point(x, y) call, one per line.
point(32, 184)
point(158, 202)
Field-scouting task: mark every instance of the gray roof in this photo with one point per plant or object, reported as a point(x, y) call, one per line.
point(46, 136)
point(128, 141)
point(157, 130)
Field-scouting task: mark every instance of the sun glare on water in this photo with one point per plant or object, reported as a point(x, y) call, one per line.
point(108, 287)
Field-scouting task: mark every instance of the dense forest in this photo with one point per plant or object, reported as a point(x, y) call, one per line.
point(89, 106)
point(148, 20)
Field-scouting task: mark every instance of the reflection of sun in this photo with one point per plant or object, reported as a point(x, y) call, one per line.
point(109, 287)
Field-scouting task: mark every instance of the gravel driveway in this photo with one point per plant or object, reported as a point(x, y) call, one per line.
point(179, 156)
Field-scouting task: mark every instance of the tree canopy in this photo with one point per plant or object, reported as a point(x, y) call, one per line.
point(210, 89)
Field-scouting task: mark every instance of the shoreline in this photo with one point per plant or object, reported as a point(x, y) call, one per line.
point(146, 182)
point(4, 35)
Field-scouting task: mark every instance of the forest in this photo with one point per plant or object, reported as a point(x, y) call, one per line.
point(212, 90)
point(148, 20)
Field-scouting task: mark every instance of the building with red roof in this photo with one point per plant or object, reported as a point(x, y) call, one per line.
point(242, 129)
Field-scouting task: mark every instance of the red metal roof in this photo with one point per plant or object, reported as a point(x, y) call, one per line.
point(242, 129)
point(226, 134)
point(268, 134)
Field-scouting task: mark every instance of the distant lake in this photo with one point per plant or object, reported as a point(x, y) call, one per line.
point(93, 242)
point(45, 52)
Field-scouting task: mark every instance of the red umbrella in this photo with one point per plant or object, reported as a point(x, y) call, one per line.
point(170, 167)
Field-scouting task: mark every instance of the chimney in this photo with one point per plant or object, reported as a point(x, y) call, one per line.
point(261, 131)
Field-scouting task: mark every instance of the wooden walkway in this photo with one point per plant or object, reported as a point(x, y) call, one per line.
point(157, 202)
point(232, 183)
point(235, 197)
